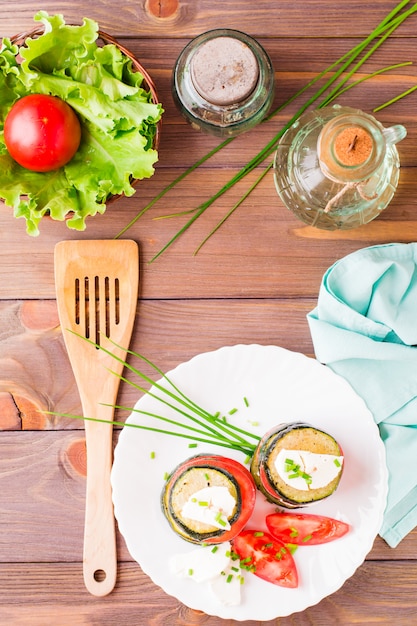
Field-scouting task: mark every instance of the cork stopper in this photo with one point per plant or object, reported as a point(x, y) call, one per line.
point(224, 71)
point(353, 146)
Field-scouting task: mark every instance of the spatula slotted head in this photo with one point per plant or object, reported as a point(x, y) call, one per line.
point(97, 291)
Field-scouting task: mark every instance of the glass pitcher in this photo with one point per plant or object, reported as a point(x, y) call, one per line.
point(337, 167)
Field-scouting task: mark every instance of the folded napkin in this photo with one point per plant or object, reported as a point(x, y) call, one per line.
point(365, 329)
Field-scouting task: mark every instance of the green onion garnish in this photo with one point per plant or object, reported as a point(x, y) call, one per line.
point(190, 572)
point(307, 538)
point(214, 549)
point(152, 455)
point(229, 578)
point(336, 462)
point(258, 533)
point(219, 519)
point(245, 400)
point(192, 445)
point(232, 411)
point(197, 423)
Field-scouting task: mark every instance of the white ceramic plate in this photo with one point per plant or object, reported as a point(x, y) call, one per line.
point(280, 386)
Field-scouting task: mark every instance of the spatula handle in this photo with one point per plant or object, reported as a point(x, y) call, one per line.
point(100, 554)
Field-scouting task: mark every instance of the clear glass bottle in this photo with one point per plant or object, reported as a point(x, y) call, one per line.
point(337, 167)
point(223, 82)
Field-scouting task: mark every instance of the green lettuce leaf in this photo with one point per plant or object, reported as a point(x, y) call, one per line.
point(117, 116)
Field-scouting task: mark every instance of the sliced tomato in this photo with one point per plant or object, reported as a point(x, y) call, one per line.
point(244, 480)
point(303, 529)
point(267, 557)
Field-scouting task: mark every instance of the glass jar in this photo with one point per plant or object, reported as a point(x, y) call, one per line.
point(337, 167)
point(223, 82)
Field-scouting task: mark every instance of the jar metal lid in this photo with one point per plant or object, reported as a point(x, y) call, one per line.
point(224, 70)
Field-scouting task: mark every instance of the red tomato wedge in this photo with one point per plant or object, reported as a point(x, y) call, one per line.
point(267, 557)
point(305, 530)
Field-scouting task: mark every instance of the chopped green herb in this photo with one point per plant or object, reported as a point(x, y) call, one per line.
point(203, 503)
point(229, 578)
point(190, 572)
point(337, 462)
point(235, 569)
point(241, 580)
point(166, 475)
point(292, 547)
point(152, 455)
point(232, 411)
point(294, 532)
point(248, 459)
point(267, 546)
point(307, 538)
point(258, 533)
point(245, 400)
point(214, 549)
point(192, 445)
point(219, 519)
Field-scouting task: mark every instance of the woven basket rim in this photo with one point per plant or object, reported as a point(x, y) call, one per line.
point(20, 39)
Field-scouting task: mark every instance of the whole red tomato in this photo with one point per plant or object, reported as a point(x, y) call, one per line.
point(41, 132)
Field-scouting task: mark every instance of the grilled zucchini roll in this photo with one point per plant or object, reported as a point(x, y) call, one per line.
point(208, 499)
point(297, 464)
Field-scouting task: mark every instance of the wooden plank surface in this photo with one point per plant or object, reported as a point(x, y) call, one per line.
point(253, 282)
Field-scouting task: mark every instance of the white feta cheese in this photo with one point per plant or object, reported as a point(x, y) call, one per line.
point(307, 470)
point(203, 563)
point(211, 505)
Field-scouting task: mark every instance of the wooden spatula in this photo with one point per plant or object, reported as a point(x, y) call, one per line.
point(97, 292)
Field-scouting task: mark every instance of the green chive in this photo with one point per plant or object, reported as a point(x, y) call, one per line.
point(245, 400)
point(342, 67)
point(166, 475)
point(336, 462)
point(232, 411)
point(192, 445)
point(292, 547)
point(152, 455)
point(190, 572)
point(307, 538)
point(229, 578)
point(220, 520)
point(206, 476)
point(214, 549)
point(202, 503)
point(235, 569)
point(258, 533)
point(294, 532)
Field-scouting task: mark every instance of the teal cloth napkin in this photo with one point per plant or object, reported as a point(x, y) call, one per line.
point(364, 327)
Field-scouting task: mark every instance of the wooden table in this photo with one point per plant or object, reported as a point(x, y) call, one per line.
point(253, 282)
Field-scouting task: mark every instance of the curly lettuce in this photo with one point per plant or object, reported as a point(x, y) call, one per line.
point(118, 121)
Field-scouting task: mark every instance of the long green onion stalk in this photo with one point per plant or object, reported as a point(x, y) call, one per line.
point(196, 424)
point(338, 74)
